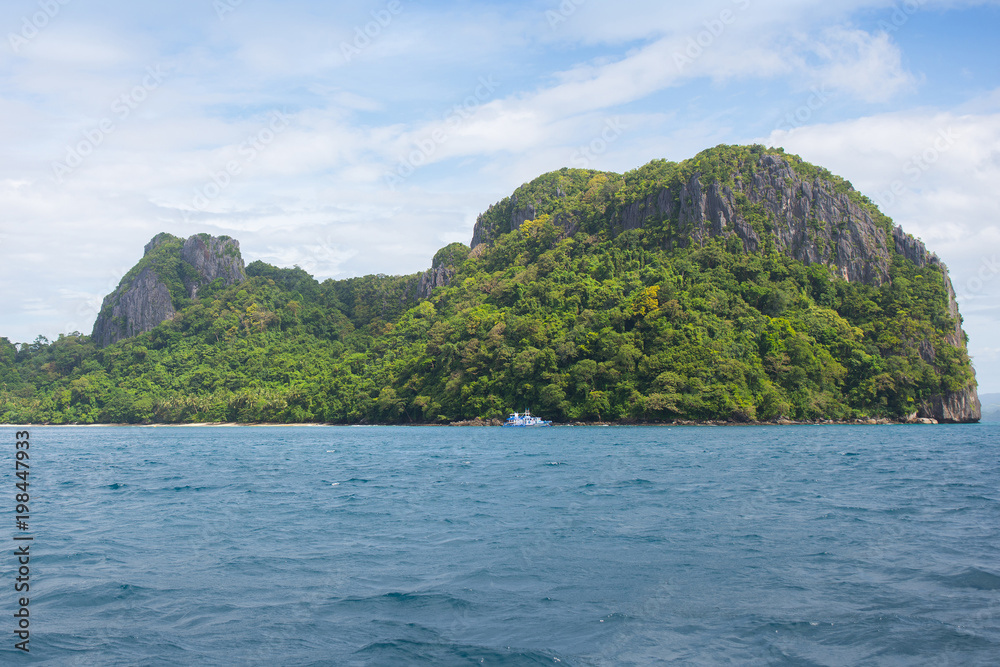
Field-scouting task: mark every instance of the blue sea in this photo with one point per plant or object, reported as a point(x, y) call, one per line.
point(795, 545)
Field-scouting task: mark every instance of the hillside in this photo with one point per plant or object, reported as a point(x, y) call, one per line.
point(743, 285)
point(165, 280)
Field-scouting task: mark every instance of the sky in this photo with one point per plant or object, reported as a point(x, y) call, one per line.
point(357, 138)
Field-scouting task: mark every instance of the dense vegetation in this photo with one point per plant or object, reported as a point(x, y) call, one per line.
point(597, 325)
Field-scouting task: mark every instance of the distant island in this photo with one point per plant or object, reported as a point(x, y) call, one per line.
point(743, 285)
point(991, 407)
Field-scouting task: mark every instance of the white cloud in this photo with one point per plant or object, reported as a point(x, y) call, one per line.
point(867, 66)
point(932, 171)
point(316, 195)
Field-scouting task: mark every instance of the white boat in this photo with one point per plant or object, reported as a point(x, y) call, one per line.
point(516, 419)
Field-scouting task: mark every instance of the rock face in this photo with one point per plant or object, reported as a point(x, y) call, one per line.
point(133, 309)
point(142, 302)
point(958, 407)
point(806, 220)
point(213, 258)
point(437, 276)
point(815, 221)
point(484, 233)
point(442, 268)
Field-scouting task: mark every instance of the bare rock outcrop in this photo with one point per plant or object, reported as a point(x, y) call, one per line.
point(213, 257)
point(957, 407)
point(443, 268)
point(133, 309)
point(483, 232)
point(144, 298)
point(439, 276)
point(808, 220)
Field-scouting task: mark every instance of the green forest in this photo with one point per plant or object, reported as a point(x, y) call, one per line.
point(595, 325)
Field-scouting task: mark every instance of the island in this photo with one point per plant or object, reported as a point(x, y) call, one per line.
point(743, 285)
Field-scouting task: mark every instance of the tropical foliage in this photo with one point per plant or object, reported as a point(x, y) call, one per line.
point(598, 324)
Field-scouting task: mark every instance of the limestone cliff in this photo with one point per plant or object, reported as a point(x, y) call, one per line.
point(443, 268)
point(436, 276)
point(169, 274)
point(133, 308)
point(213, 258)
point(766, 200)
point(963, 405)
point(512, 216)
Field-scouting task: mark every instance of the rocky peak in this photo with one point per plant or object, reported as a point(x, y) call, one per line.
point(766, 199)
point(213, 257)
point(513, 214)
point(140, 306)
point(443, 268)
point(156, 241)
point(157, 286)
point(811, 220)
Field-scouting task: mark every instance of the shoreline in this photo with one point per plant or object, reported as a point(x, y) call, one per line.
point(496, 423)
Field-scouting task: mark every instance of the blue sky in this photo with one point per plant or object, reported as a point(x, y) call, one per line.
point(354, 138)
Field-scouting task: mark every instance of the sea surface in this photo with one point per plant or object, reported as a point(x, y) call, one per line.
point(795, 545)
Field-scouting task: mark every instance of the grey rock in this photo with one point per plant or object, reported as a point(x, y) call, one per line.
point(959, 407)
point(213, 258)
point(482, 233)
point(809, 220)
point(439, 276)
point(133, 309)
point(144, 302)
point(442, 269)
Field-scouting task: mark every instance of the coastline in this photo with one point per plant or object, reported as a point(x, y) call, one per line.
point(497, 422)
point(716, 422)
